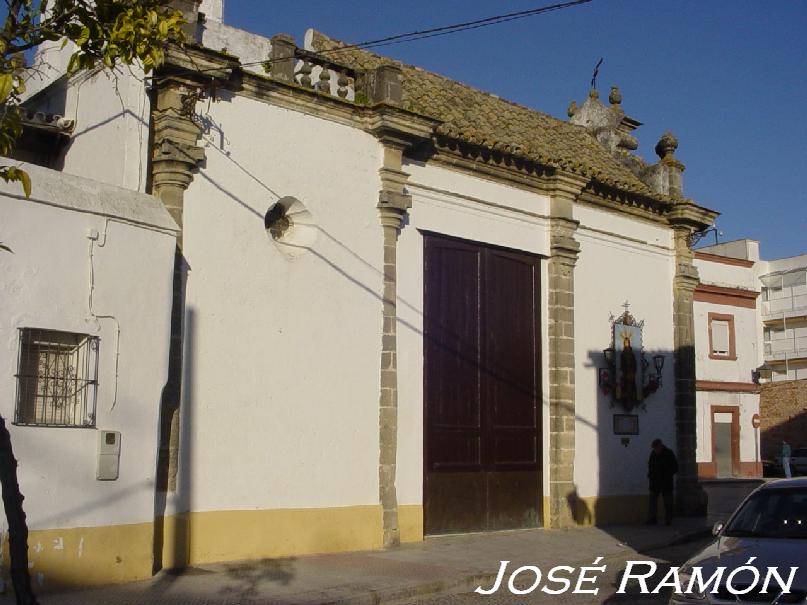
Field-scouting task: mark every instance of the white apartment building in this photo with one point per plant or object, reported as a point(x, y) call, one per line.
point(783, 311)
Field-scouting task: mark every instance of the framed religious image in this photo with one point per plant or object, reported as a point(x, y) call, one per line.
point(629, 370)
point(626, 424)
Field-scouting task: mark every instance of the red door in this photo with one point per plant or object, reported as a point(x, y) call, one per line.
point(482, 387)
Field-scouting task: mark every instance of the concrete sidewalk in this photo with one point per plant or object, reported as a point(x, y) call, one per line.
point(392, 576)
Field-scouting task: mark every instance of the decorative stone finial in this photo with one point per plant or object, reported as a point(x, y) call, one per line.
point(667, 145)
point(572, 109)
point(615, 98)
point(594, 94)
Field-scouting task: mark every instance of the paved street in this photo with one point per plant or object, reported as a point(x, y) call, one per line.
point(410, 574)
point(608, 583)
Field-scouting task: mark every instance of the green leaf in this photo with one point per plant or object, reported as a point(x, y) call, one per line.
point(73, 64)
point(6, 85)
point(25, 179)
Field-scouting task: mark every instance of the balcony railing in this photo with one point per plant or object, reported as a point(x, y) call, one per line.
point(794, 304)
point(786, 348)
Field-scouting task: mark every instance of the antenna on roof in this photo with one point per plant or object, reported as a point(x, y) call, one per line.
point(594, 75)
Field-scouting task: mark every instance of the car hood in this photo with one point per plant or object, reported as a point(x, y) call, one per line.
point(734, 552)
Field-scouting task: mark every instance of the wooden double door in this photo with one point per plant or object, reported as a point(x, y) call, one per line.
point(482, 387)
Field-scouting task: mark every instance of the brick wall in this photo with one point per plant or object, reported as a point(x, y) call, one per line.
point(783, 410)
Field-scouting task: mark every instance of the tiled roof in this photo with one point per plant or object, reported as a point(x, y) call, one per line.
point(478, 117)
point(47, 121)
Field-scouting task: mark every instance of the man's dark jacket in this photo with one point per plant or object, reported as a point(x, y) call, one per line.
point(660, 470)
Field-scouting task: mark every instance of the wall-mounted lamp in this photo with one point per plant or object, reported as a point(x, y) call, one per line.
point(763, 372)
point(606, 374)
point(658, 363)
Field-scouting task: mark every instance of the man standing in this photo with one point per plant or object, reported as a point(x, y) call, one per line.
point(661, 468)
point(786, 459)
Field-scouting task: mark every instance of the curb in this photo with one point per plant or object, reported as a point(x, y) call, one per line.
point(404, 595)
point(692, 536)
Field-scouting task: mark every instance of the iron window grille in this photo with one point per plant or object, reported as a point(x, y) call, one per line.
point(57, 378)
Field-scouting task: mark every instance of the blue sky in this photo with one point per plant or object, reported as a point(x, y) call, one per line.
point(728, 78)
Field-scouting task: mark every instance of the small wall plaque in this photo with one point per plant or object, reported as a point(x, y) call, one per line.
point(626, 424)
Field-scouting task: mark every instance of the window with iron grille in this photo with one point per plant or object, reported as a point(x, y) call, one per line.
point(57, 378)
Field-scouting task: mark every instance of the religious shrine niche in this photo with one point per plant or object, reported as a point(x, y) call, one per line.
point(627, 377)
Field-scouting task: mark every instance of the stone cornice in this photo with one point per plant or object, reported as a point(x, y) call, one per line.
point(723, 295)
point(202, 66)
point(395, 126)
point(528, 178)
point(686, 213)
point(566, 185)
point(627, 201)
point(520, 171)
point(727, 387)
point(724, 260)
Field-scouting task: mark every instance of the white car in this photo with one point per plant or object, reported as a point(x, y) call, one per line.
point(770, 529)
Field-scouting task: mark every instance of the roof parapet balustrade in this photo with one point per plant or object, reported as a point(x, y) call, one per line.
point(327, 76)
point(293, 65)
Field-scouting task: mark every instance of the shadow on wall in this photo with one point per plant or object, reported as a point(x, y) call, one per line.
point(621, 470)
point(172, 523)
point(624, 434)
point(783, 411)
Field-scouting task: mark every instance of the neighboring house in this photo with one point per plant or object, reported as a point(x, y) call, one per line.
point(751, 329)
point(784, 315)
point(728, 353)
point(86, 297)
point(402, 306)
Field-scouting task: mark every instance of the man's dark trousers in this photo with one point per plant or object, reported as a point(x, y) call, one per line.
point(652, 509)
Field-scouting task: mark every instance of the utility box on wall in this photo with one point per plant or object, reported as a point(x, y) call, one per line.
point(108, 456)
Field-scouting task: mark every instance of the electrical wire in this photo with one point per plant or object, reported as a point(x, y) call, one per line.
point(420, 34)
point(460, 27)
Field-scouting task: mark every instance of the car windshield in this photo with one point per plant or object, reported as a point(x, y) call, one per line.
point(772, 513)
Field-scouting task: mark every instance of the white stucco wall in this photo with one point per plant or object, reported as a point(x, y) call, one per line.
point(748, 349)
point(282, 377)
point(110, 139)
point(637, 267)
point(746, 403)
point(45, 284)
point(248, 47)
point(730, 276)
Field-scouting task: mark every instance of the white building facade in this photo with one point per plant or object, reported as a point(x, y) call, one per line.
point(86, 294)
point(400, 306)
point(729, 352)
point(784, 315)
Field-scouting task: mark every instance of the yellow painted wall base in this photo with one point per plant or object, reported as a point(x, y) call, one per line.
point(209, 537)
point(605, 510)
point(67, 558)
point(611, 510)
point(410, 521)
point(88, 556)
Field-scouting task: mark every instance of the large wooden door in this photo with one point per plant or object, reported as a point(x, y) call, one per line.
point(482, 387)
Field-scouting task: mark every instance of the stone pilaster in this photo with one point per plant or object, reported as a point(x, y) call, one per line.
point(564, 249)
point(175, 157)
point(690, 498)
point(282, 58)
point(393, 203)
